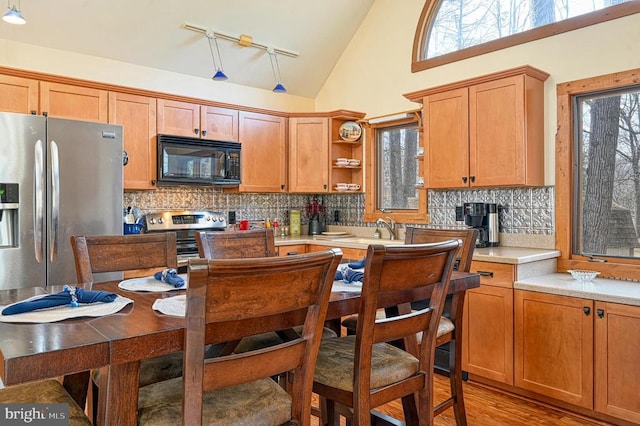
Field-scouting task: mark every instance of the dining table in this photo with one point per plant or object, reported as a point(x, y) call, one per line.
point(116, 344)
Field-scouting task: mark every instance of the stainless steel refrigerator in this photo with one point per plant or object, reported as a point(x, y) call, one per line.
point(57, 178)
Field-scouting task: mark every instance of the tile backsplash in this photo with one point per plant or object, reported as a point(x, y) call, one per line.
point(525, 210)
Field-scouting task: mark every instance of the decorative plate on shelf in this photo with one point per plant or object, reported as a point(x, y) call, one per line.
point(350, 131)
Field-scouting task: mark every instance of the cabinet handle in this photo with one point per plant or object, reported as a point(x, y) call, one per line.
point(292, 253)
point(600, 313)
point(204, 133)
point(464, 179)
point(586, 310)
point(473, 179)
point(485, 274)
point(196, 131)
point(153, 182)
point(125, 158)
point(324, 186)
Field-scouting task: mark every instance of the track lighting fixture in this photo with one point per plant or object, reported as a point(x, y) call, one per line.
point(273, 57)
point(219, 74)
point(14, 15)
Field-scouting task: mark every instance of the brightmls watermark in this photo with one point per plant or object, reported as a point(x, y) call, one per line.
point(34, 414)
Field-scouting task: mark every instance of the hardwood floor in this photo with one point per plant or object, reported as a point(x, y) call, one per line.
point(486, 407)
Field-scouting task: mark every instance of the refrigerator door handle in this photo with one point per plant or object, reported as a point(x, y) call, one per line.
point(38, 200)
point(55, 202)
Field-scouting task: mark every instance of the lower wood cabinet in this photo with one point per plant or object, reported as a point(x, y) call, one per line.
point(347, 252)
point(291, 250)
point(579, 351)
point(487, 337)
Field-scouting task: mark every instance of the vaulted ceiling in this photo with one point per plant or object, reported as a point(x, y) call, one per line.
point(151, 33)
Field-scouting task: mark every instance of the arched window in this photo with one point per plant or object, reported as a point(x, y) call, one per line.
point(451, 30)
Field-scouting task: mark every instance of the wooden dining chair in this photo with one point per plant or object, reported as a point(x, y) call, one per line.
point(245, 244)
point(364, 371)
point(229, 299)
point(44, 392)
point(448, 333)
point(95, 254)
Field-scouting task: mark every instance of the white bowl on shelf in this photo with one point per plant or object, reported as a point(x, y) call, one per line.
point(354, 162)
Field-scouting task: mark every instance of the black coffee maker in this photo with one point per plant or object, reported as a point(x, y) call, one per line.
point(484, 218)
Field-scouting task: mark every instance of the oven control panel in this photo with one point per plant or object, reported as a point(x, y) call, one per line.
point(175, 220)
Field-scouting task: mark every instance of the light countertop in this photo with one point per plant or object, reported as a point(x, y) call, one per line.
point(600, 289)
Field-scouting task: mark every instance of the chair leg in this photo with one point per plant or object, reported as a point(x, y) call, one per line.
point(410, 409)
point(455, 362)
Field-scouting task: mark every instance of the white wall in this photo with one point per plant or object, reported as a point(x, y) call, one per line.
point(375, 69)
point(52, 61)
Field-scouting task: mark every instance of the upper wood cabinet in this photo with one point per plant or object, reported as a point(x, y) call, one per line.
point(308, 154)
point(19, 95)
point(137, 115)
point(73, 102)
point(264, 151)
point(485, 132)
point(197, 121)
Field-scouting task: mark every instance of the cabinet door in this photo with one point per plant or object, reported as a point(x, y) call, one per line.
point(308, 154)
point(446, 139)
point(554, 346)
point(292, 249)
point(178, 118)
point(219, 124)
point(18, 95)
point(487, 341)
point(263, 139)
point(137, 114)
point(73, 102)
point(617, 346)
point(506, 132)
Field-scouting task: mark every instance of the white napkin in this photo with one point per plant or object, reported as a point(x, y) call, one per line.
point(175, 306)
point(151, 284)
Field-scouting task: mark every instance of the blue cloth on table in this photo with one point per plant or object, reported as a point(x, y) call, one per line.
point(169, 276)
point(349, 275)
point(59, 299)
point(358, 264)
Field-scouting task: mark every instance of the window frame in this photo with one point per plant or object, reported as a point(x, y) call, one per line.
point(372, 213)
point(614, 267)
point(431, 7)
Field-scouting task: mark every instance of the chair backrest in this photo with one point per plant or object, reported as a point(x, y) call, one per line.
point(229, 299)
point(403, 274)
point(236, 244)
point(465, 252)
point(115, 253)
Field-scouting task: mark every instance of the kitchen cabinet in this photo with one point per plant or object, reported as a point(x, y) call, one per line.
point(308, 154)
point(487, 338)
point(197, 121)
point(579, 351)
point(348, 253)
point(264, 150)
point(137, 115)
point(340, 148)
point(617, 376)
point(19, 95)
point(486, 132)
point(73, 102)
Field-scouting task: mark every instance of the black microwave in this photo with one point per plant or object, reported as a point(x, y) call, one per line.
point(192, 161)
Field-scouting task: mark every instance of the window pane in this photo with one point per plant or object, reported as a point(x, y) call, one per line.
point(397, 167)
point(607, 160)
point(459, 24)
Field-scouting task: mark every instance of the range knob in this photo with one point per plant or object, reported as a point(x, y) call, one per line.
point(152, 221)
point(214, 218)
point(160, 220)
point(209, 218)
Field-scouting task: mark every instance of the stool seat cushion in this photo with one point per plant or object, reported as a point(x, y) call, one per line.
point(334, 366)
point(262, 402)
point(261, 341)
point(445, 326)
point(44, 392)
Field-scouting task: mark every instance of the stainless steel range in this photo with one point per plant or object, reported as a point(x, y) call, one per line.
point(185, 223)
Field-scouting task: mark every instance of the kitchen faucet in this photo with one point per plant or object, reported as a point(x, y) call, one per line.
point(390, 225)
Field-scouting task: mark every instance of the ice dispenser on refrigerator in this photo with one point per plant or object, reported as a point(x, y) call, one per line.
point(9, 206)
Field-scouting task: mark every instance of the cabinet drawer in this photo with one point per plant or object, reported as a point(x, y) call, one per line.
point(347, 252)
point(495, 274)
point(292, 249)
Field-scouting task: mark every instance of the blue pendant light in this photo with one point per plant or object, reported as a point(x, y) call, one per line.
point(219, 75)
point(273, 57)
point(14, 16)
